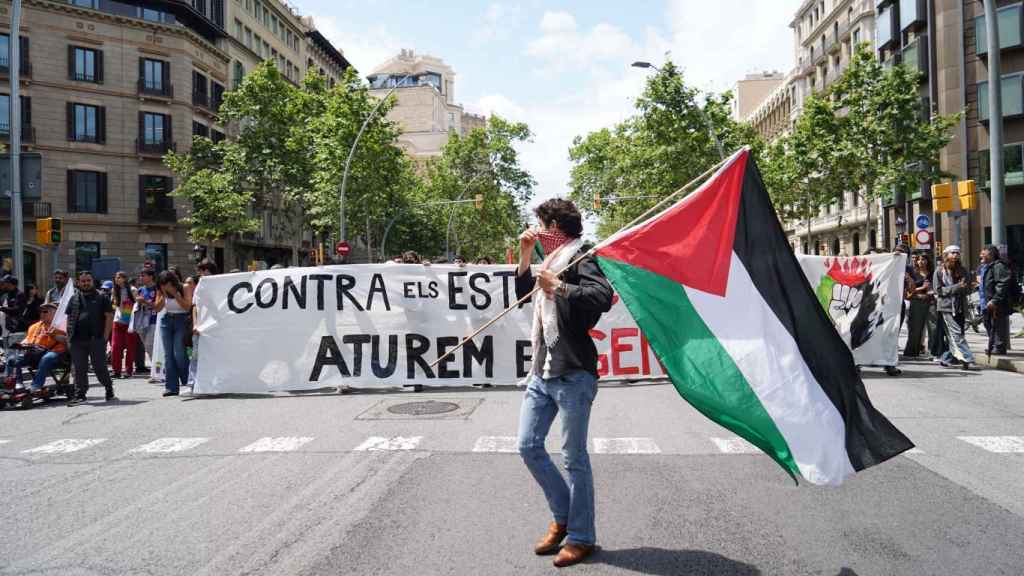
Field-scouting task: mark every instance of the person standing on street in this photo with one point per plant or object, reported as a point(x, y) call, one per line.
point(995, 301)
point(921, 317)
point(12, 303)
point(60, 281)
point(122, 344)
point(951, 288)
point(172, 298)
point(90, 321)
point(564, 374)
point(145, 316)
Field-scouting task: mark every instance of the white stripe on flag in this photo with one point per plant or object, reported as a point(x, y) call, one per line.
point(60, 317)
point(767, 356)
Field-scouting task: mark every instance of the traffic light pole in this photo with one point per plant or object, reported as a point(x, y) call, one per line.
point(17, 227)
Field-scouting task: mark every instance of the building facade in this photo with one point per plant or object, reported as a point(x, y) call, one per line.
point(750, 92)
point(425, 109)
point(107, 88)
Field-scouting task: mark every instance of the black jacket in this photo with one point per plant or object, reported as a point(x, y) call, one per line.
point(997, 285)
point(588, 296)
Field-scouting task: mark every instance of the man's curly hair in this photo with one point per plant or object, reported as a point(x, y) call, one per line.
point(563, 213)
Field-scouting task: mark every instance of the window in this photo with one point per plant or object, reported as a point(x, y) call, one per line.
point(259, 11)
point(216, 135)
point(85, 64)
point(5, 116)
point(157, 254)
point(911, 12)
point(266, 50)
point(155, 15)
point(86, 123)
point(154, 77)
point(273, 26)
point(248, 6)
point(216, 95)
point(200, 129)
point(200, 95)
point(5, 53)
point(87, 192)
point(238, 29)
point(86, 3)
point(1013, 166)
point(248, 37)
point(1009, 20)
point(85, 253)
point(237, 75)
point(1013, 97)
point(154, 200)
point(155, 128)
point(884, 27)
point(856, 37)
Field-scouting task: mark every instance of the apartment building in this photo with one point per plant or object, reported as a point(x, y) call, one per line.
point(426, 108)
point(107, 88)
point(751, 91)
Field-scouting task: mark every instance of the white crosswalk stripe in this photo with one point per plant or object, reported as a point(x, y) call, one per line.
point(625, 446)
point(165, 445)
point(505, 444)
point(278, 444)
point(379, 443)
point(2, 441)
point(734, 445)
point(65, 446)
point(997, 444)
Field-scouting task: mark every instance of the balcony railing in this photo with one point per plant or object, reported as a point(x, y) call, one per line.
point(28, 132)
point(151, 88)
point(158, 214)
point(25, 70)
point(29, 209)
point(146, 148)
point(83, 76)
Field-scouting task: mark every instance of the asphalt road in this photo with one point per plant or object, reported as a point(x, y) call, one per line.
point(328, 484)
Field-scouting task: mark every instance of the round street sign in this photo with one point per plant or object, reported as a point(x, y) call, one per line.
point(923, 238)
point(342, 248)
point(923, 221)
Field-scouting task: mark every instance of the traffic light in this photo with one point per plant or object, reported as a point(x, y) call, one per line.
point(597, 201)
point(49, 231)
point(479, 201)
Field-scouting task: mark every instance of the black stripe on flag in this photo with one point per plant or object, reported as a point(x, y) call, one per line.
point(762, 246)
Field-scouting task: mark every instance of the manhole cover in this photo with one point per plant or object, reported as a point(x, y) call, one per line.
point(423, 408)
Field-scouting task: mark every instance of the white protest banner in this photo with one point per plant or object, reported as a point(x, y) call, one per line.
point(863, 296)
point(379, 325)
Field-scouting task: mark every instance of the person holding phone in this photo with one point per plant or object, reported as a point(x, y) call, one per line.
point(176, 302)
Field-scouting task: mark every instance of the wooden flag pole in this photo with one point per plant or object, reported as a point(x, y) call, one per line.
point(638, 219)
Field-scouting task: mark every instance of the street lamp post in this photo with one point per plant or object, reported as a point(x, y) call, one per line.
point(995, 130)
point(352, 153)
point(704, 117)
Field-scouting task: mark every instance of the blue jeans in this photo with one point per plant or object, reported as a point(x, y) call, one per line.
point(43, 369)
point(172, 332)
point(571, 394)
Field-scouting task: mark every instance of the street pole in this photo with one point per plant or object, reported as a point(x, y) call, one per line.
point(18, 240)
point(352, 152)
point(995, 127)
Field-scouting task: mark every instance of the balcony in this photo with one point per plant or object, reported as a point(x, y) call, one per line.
point(28, 133)
point(913, 14)
point(158, 214)
point(25, 70)
point(145, 148)
point(154, 88)
point(1010, 20)
point(832, 43)
point(29, 209)
point(844, 30)
point(915, 56)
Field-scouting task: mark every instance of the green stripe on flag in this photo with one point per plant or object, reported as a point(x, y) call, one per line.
point(701, 370)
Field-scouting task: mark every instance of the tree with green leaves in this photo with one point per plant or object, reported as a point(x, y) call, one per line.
point(484, 163)
point(620, 172)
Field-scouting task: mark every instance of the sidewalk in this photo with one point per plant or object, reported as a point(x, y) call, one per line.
point(1013, 361)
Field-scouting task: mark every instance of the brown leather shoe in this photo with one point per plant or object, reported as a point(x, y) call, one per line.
point(552, 540)
point(572, 554)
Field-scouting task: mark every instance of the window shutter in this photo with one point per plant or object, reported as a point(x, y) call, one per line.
point(142, 194)
point(71, 192)
point(142, 71)
point(71, 62)
point(168, 137)
point(99, 66)
point(168, 199)
point(23, 42)
point(165, 78)
point(142, 128)
point(101, 193)
point(101, 124)
point(71, 121)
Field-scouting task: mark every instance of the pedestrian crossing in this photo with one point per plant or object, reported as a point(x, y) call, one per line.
point(730, 445)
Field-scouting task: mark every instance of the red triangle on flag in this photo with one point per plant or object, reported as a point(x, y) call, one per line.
point(690, 242)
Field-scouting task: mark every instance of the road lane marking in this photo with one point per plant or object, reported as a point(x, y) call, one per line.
point(914, 450)
point(997, 444)
point(278, 444)
point(504, 444)
point(734, 445)
point(65, 446)
point(625, 446)
point(2, 441)
point(164, 445)
point(379, 443)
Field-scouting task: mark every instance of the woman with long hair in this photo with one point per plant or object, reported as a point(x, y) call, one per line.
point(952, 285)
point(122, 344)
point(172, 298)
point(921, 319)
point(33, 300)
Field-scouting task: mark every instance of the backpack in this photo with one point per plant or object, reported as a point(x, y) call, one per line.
point(1013, 290)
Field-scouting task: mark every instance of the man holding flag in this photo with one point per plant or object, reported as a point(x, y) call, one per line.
point(564, 374)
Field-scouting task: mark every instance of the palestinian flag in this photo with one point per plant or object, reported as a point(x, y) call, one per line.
point(717, 290)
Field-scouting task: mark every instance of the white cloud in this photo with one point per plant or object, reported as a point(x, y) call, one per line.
point(561, 44)
point(496, 23)
point(365, 49)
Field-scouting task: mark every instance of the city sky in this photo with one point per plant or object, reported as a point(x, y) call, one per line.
point(563, 67)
